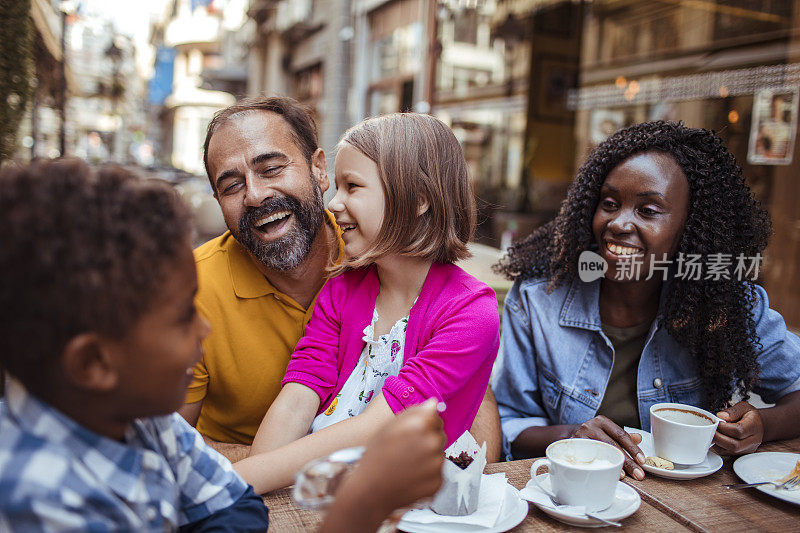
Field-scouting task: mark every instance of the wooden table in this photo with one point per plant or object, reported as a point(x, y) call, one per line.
point(667, 505)
point(703, 504)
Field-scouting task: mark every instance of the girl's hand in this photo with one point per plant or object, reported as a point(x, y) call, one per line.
point(740, 430)
point(603, 429)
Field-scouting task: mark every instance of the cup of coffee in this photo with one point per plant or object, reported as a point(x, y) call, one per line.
point(583, 472)
point(682, 433)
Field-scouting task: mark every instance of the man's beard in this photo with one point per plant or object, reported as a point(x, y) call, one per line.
point(291, 249)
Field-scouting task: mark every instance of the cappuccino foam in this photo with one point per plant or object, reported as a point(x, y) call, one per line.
point(592, 464)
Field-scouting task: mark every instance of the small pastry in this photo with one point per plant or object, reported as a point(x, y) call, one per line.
point(658, 462)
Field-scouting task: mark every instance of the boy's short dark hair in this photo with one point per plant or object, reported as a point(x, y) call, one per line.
point(297, 115)
point(82, 249)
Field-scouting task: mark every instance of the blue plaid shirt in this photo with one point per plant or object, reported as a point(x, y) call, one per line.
point(56, 475)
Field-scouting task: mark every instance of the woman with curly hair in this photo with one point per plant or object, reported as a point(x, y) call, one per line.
point(583, 359)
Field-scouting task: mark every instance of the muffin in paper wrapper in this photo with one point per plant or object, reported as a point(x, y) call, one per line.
point(459, 492)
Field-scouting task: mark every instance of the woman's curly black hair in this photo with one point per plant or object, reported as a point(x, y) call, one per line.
point(713, 319)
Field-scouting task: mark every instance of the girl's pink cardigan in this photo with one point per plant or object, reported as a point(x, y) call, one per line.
point(451, 342)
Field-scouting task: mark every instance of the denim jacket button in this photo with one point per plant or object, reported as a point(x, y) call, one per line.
point(657, 383)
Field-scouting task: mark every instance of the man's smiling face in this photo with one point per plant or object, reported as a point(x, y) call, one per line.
point(270, 195)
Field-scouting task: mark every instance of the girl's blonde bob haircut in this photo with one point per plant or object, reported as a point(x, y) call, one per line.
point(419, 162)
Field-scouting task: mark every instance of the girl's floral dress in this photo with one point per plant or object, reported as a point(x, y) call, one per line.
point(379, 359)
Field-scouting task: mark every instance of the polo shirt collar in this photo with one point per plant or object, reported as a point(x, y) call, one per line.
point(248, 281)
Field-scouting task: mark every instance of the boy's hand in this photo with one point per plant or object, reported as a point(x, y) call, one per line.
point(740, 430)
point(402, 464)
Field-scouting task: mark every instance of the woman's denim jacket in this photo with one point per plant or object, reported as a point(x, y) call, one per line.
point(556, 361)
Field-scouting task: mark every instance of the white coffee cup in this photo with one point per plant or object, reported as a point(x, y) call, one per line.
point(682, 433)
point(583, 472)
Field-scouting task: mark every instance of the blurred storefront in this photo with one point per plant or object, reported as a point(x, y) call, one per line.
point(573, 72)
point(502, 80)
point(530, 86)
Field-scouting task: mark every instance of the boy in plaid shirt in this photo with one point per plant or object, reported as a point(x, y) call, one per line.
point(99, 334)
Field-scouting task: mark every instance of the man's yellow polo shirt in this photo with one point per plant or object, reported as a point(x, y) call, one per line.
point(254, 329)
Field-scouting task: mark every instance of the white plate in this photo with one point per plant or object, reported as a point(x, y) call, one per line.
point(621, 507)
point(710, 464)
point(514, 511)
point(768, 466)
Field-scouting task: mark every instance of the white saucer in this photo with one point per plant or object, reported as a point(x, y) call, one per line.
point(710, 464)
point(626, 502)
point(514, 511)
point(768, 466)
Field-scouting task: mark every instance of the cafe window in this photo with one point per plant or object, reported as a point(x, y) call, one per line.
point(744, 19)
point(391, 96)
point(729, 66)
point(395, 56)
point(398, 52)
point(465, 26)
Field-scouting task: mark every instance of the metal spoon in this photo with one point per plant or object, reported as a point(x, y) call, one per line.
point(603, 520)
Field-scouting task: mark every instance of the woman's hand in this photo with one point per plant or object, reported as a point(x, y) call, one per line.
point(740, 430)
point(603, 429)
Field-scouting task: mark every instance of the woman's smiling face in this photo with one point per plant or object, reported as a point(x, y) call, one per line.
point(643, 207)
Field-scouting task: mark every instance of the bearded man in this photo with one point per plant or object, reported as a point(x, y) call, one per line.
point(259, 280)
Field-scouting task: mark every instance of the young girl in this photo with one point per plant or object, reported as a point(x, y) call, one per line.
point(401, 323)
point(585, 358)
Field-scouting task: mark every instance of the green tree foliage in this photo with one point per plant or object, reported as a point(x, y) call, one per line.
point(16, 70)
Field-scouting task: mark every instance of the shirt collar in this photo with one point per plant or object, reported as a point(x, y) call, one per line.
point(115, 464)
point(249, 282)
point(581, 308)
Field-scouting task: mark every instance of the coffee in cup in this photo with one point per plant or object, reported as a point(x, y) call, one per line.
point(583, 472)
point(685, 416)
point(682, 433)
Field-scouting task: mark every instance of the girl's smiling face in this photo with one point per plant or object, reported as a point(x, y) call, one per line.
point(642, 212)
point(359, 203)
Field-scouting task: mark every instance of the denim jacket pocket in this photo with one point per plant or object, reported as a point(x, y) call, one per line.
point(689, 392)
point(551, 390)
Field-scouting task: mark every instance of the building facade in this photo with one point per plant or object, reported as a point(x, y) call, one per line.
point(41, 132)
point(106, 109)
point(194, 33)
point(302, 49)
point(730, 66)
